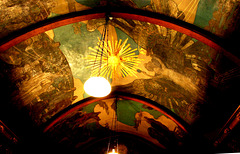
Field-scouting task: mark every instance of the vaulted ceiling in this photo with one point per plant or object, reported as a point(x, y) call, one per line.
point(173, 66)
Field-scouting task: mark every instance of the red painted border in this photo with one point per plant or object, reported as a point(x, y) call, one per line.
point(156, 108)
point(185, 30)
point(90, 100)
point(47, 27)
point(141, 15)
point(169, 25)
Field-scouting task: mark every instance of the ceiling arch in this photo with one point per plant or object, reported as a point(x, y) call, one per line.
point(145, 16)
point(183, 68)
point(77, 114)
point(182, 124)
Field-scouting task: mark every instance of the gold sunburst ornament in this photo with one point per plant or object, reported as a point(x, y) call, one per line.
point(116, 57)
point(109, 58)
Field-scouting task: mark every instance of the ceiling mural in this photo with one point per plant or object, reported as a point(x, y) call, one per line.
point(140, 60)
point(198, 12)
point(224, 18)
point(94, 121)
point(45, 74)
point(22, 14)
point(36, 80)
point(144, 57)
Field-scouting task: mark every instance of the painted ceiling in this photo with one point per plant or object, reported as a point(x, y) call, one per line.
point(44, 74)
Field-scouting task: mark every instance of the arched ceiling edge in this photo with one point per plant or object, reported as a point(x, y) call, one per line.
point(128, 13)
point(154, 105)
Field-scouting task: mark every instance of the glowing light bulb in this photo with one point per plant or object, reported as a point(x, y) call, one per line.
point(97, 87)
point(113, 152)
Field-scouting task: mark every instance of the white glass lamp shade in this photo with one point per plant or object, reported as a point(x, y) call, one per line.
point(97, 87)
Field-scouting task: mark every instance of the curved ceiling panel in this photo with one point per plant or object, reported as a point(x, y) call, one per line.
point(156, 62)
point(168, 67)
point(92, 121)
point(175, 53)
point(36, 78)
point(205, 14)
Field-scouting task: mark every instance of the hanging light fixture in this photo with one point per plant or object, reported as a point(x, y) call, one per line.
point(113, 138)
point(99, 86)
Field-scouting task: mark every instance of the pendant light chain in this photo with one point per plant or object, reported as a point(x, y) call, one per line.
point(102, 45)
point(96, 85)
point(116, 124)
point(113, 138)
